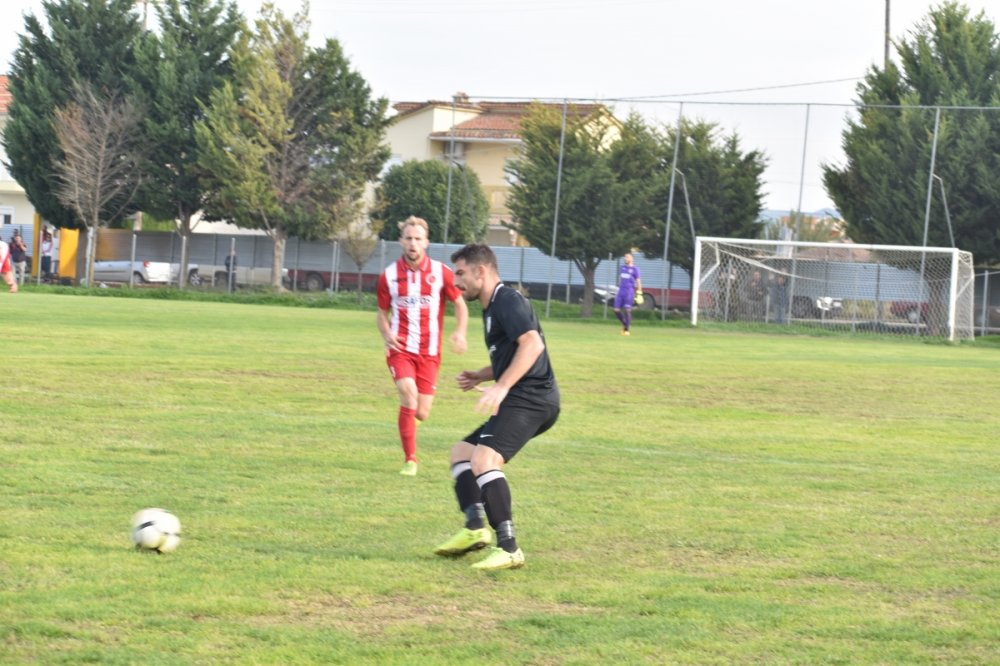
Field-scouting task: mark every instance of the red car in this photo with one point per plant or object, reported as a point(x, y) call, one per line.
point(911, 311)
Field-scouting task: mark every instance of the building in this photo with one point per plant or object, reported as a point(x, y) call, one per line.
point(480, 135)
point(14, 205)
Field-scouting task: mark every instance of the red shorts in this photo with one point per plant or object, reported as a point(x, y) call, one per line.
point(423, 369)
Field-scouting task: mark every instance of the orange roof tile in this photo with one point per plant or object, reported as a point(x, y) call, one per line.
point(5, 96)
point(495, 120)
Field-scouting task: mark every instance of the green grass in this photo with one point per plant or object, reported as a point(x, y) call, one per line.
point(706, 497)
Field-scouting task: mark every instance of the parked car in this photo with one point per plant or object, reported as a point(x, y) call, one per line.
point(306, 279)
point(804, 307)
point(245, 275)
point(154, 272)
point(911, 311)
point(606, 294)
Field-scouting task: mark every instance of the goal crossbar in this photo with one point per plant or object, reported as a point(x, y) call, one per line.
point(889, 289)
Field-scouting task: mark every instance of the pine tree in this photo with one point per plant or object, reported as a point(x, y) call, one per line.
point(951, 59)
point(289, 145)
point(175, 75)
point(88, 42)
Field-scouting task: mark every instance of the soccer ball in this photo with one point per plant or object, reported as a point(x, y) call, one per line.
point(156, 529)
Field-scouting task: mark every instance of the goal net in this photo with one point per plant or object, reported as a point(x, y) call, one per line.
point(885, 289)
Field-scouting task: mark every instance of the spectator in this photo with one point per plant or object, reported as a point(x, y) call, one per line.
point(46, 254)
point(18, 256)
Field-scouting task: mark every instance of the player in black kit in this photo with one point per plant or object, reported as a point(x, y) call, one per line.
point(522, 403)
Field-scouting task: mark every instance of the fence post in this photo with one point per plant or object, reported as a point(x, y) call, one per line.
point(986, 303)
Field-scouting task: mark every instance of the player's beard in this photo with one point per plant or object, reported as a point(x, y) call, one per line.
point(469, 293)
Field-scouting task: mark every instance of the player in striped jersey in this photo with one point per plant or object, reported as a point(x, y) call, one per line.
point(8, 273)
point(412, 297)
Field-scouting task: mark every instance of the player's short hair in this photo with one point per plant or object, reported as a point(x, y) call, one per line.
point(477, 254)
point(414, 221)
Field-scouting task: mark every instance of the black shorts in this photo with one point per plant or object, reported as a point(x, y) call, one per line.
point(519, 419)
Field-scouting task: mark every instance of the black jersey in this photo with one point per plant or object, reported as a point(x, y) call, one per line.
point(509, 316)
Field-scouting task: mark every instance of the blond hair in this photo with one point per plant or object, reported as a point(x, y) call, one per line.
point(414, 221)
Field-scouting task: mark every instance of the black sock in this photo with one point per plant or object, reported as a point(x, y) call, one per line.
point(469, 497)
point(496, 497)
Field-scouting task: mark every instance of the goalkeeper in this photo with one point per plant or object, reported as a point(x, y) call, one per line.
point(629, 292)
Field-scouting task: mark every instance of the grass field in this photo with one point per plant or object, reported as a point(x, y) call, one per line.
point(706, 498)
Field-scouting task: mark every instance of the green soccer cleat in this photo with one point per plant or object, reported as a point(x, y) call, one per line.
point(409, 469)
point(464, 541)
point(500, 559)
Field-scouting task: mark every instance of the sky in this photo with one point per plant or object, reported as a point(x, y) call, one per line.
point(782, 74)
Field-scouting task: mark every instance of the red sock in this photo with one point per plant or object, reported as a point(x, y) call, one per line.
point(408, 432)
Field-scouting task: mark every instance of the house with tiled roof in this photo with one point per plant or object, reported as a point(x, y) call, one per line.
point(14, 205)
point(479, 135)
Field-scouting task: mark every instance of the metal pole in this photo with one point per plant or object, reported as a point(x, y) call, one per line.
point(986, 303)
point(687, 203)
point(335, 282)
point(947, 213)
point(798, 219)
point(182, 279)
point(231, 270)
point(333, 265)
point(131, 265)
point(885, 61)
point(607, 285)
point(555, 216)
point(670, 210)
point(927, 207)
point(451, 159)
point(802, 176)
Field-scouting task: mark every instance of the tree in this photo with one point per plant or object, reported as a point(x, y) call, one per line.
point(97, 175)
point(90, 41)
point(176, 72)
point(600, 210)
point(615, 188)
point(289, 145)
point(359, 240)
point(421, 189)
point(951, 59)
point(725, 188)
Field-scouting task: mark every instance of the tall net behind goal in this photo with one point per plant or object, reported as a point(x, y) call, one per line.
point(884, 289)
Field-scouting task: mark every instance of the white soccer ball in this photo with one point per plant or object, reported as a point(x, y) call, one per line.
point(156, 529)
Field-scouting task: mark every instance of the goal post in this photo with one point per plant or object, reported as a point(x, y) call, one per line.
point(883, 289)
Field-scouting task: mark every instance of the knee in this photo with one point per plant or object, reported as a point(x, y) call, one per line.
point(423, 412)
point(461, 452)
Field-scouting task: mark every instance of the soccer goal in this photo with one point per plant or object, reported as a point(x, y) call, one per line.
point(885, 289)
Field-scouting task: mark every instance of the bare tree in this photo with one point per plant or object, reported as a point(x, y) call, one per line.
point(97, 175)
point(360, 239)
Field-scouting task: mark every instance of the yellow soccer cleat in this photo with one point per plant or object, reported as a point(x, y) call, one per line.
point(499, 558)
point(464, 541)
point(409, 468)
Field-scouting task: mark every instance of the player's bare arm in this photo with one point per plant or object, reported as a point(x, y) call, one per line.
point(529, 347)
point(457, 338)
point(470, 379)
point(392, 343)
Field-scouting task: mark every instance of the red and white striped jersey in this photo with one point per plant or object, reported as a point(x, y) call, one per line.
point(415, 299)
point(4, 257)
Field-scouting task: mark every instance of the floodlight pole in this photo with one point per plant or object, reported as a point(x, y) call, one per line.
point(687, 201)
point(555, 216)
point(670, 210)
point(885, 61)
point(947, 213)
point(451, 158)
point(930, 189)
point(802, 176)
